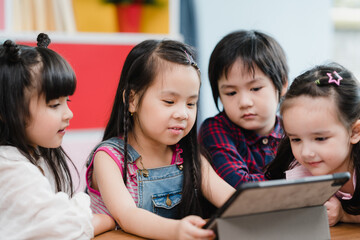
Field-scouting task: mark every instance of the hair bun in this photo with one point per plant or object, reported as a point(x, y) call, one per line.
point(12, 51)
point(43, 40)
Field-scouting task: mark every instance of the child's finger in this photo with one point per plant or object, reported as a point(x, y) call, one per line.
point(196, 231)
point(197, 221)
point(331, 203)
point(200, 233)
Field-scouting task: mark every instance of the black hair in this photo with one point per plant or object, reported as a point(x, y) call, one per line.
point(315, 83)
point(254, 48)
point(138, 73)
point(25, 70)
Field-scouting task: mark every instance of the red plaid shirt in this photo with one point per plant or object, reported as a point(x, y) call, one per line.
point(238, 155)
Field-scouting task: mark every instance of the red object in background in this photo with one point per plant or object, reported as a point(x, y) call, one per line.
point(2, 14)
point(129, 16)
point(97, 69)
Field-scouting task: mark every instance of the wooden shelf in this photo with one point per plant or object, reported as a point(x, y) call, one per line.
point(96, 58)
point(8, 32)
point(89, 38)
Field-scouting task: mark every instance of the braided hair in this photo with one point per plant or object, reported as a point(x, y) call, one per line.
point(138, 73)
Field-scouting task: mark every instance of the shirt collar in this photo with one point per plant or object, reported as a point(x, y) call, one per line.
point(252, 137)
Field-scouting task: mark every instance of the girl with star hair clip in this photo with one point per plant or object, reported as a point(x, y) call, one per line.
point(321, 119)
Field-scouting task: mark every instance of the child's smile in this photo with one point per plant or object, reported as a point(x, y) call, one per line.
point(177, 130)
point(314, 163)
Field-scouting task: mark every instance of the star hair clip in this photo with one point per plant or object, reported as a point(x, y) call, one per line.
point(334, 78)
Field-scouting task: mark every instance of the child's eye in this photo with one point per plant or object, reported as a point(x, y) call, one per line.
point(255, 89)
point(321, 139)
point(230, 93)
point(54, 105)
point(294, 140)
point(168, 101)
point(191, 104)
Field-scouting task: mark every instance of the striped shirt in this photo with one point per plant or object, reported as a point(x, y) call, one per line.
point(97, 203)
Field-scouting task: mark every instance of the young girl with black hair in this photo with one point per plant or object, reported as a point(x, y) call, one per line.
point(321, 118)
point(35, 180)
point(148, 173)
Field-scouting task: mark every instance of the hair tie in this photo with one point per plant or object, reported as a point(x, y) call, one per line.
point(334, 78)
point(43, 40)
point(191, 60)
point(12, 51)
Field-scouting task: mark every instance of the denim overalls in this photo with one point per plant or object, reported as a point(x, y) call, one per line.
point(159, 191)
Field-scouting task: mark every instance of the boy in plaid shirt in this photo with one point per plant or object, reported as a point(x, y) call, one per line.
point(248, 72)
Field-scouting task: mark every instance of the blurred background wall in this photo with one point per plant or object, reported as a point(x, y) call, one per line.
point(303, 28)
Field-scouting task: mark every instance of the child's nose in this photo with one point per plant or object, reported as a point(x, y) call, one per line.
point(307, 151)
point(181, 113)
point(68, 114)
point(245, 100)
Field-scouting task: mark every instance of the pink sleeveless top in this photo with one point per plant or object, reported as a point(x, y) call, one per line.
point(97, 203)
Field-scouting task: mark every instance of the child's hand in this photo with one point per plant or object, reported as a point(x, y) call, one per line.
point(190, 228)
point(334, 210)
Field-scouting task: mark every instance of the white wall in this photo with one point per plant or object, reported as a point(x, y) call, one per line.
point(303, 28)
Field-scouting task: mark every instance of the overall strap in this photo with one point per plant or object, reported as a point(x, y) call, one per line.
point(118, 144)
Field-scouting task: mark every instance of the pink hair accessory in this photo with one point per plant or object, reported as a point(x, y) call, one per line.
point(188, 57)
point(336, 78)
point(191, 61)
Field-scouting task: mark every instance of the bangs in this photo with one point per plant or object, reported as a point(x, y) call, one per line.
point(58, 78)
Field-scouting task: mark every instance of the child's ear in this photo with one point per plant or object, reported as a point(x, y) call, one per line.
point(355, 133)
point(133, 101)
point(284, 89)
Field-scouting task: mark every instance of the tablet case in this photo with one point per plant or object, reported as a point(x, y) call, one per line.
point(278, 209)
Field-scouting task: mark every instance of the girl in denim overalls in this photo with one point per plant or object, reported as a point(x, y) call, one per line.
point(147, 172)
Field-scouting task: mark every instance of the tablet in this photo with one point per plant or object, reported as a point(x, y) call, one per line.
point(274, 195)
